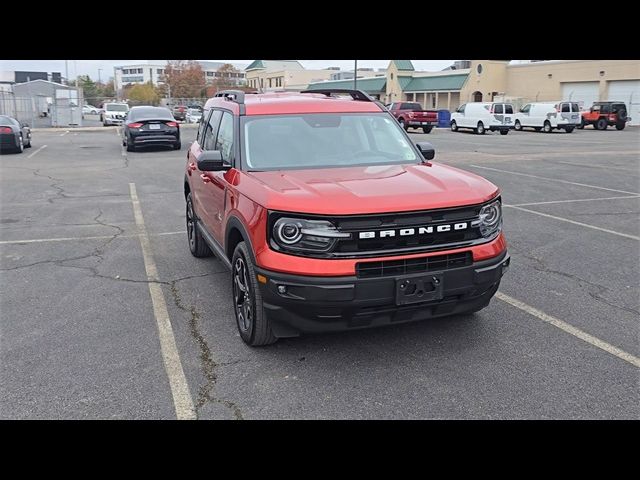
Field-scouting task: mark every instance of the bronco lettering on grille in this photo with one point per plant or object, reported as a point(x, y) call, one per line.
point(403, 232)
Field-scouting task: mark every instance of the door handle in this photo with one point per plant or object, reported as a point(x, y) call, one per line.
point(192, 166)
point(205, 178)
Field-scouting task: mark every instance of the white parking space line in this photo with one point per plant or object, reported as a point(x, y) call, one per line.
point(633, 237)
point(63, 134)
point(76, 239)
point(570, 329)
point(606, 167)
point(551, 202)
point(555, 180)
point(179, 388)
point(38, 150)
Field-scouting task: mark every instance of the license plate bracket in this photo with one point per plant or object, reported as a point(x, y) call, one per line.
point(417, 289)
point(154, 126)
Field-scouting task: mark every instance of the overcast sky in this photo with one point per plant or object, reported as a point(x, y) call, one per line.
point(90, 67)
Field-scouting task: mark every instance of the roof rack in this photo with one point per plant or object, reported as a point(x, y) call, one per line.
point(233, 95)
point(355, 94)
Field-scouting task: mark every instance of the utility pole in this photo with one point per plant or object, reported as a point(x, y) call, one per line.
point(75, 68)
point(99, 76)
point(355, 76)
point(66, 71)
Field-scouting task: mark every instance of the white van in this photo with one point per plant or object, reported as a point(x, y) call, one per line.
point(481, 117)
point(114, 113)
point(548, 116)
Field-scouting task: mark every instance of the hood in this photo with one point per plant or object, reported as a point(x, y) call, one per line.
point(370, 189)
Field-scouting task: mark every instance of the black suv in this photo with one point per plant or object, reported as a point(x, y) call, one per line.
point(605, 114)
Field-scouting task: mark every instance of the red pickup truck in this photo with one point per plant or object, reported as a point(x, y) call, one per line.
point(411, 115)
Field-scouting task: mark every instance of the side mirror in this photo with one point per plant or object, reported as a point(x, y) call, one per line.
point(211, 161)
point(427, 150)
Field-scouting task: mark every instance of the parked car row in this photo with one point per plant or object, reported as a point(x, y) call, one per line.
point(540, 116)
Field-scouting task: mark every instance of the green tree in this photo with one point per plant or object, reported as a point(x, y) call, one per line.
point(90, 89)
point(226, 77)
point(143, 94)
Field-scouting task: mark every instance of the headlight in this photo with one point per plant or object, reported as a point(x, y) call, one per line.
point(490, 218)
point(298, 234)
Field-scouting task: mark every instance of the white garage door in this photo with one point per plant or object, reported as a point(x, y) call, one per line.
point(585, 93)
point(627, 91)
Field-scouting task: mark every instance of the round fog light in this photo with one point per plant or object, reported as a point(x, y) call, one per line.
point(282, 289)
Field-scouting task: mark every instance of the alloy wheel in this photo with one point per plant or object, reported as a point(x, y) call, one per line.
point(242, 295)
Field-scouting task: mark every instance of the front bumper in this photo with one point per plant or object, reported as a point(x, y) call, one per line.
point(113, 121)
point(324, 304)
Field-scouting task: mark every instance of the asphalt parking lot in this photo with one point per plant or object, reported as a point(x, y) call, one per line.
point(82, 331)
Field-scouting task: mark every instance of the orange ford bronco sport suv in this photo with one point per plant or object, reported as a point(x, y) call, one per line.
point(330, 218)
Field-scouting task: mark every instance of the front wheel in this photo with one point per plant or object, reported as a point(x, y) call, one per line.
point(547, 127)
point(504, 132)
point(454, 126)
point(480, 130)
point(427, 129)
point(253, 325)
point(518, 125)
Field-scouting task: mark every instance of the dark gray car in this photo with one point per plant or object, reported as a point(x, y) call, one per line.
point(14, 135)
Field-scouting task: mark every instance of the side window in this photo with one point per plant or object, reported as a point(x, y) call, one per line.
point(575, 107)
point(508, 108)
point(526, 108)
point(498, 108)
point(224, 142)
point(209, 141)
point(565, 108)
point(201, 127)
point(604, 108)
point(461, 108)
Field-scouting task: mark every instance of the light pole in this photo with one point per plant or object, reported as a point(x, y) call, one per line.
point(99, 76)
point(355, 75)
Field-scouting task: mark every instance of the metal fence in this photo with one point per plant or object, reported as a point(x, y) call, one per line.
point(62, 109)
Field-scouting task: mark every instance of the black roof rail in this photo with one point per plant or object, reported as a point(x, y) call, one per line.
point(355, 94)
point(233, 95)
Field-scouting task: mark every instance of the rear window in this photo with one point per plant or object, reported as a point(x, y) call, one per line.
point(150, 113)
point(498, 109)
point(411, 106)
point(575, 107)
point(508, 109)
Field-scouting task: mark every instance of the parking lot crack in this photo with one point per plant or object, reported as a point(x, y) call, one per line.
point(208, 364)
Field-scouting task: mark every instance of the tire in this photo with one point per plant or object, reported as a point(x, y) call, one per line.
point(546, 128)
point(581, 126)
point(504, 132)
point(569, 129)
point(518, 126)
point(197, 245)
point(601, 124)
point(480, 130)
point(454, 126)
point(537, 129)
point(620, 126)
point(28, 145)
point(427, 129)
point(177, 146)
point(253, 325)
point(406, 129)
point(131, 147)
point(20, 147)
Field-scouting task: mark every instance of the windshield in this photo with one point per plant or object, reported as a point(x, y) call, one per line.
point(287, 142)
point(116, 107)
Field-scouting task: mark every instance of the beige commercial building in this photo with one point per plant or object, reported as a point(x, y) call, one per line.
point(582, 81)
point(269, 75)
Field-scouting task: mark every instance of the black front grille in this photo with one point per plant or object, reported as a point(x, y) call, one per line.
point(392, 268)
point(356, 246)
